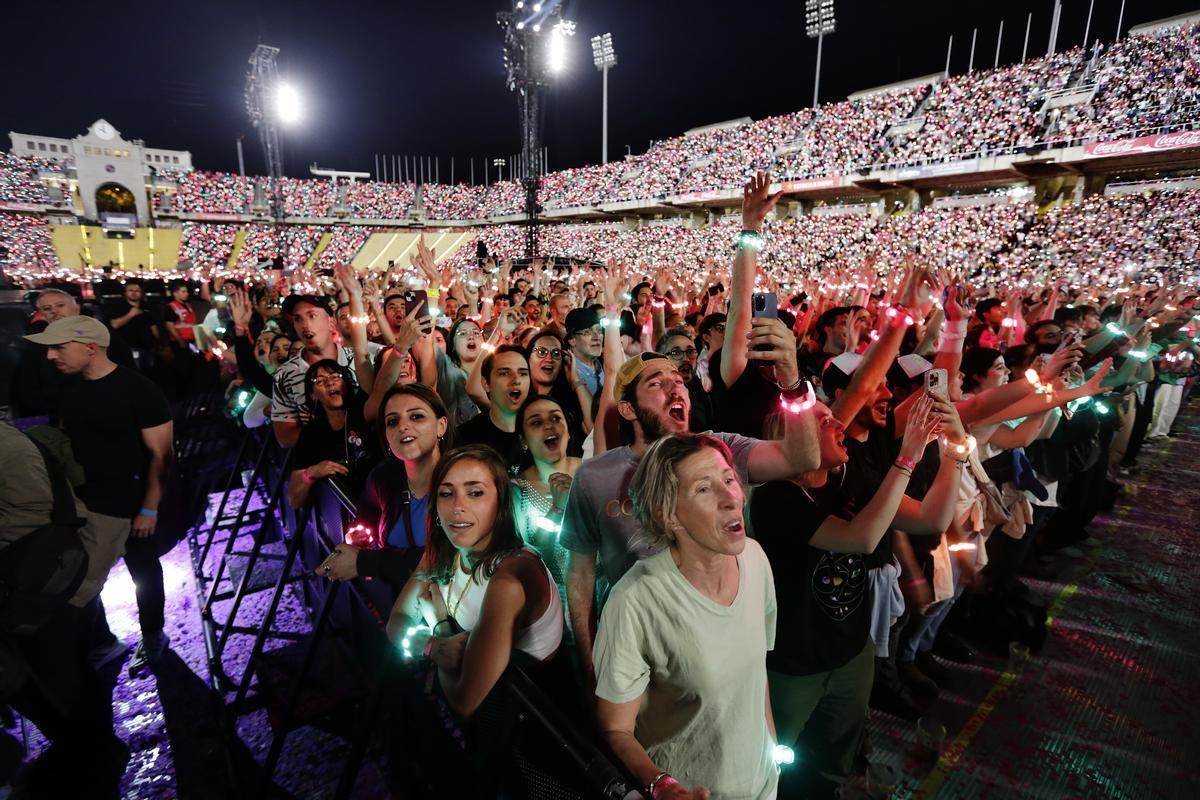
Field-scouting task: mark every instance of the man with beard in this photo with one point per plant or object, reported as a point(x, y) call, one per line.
point(599, 527)
point(505, 375)
point(677, 345)
point(312, 317)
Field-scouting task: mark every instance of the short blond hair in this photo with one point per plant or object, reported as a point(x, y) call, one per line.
point(654, 489)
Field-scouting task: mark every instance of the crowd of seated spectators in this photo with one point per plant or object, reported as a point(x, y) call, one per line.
point(1113, 236)
point(344, 243)
point(212, 193)
point(19, 181)
point(379, 200)
point(987, 110)
point(307, 197)
point(26, 237)
point(1144, 81)
point(204, 245)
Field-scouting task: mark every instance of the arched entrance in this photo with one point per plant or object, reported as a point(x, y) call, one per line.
point(115, 198)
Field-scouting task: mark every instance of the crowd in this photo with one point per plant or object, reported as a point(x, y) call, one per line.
point(1143, 82)
point(25, 238)
point(212, 193)
point(206, 246)
point(981, 112)
point(19, 181)
point(732, 486)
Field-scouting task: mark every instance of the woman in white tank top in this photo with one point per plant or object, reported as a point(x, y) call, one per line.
point(480, 593)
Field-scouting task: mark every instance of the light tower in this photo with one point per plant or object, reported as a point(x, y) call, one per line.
point(605, 58)
point(818, 21)
point(271, 105)
point(535, 51)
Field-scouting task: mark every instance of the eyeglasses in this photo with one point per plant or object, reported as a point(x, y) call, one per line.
point(719, 327)
point(675, 354)
point(542, 352)
point(466, 332)
point(327, 381)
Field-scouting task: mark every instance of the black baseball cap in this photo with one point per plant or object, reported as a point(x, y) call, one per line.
point(581, 319)
point(320, 301)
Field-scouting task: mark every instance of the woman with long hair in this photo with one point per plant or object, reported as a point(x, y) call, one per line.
point(338, 440)
point(552, 373)
point(484, 598)
point(414, 430)
point(540, 490)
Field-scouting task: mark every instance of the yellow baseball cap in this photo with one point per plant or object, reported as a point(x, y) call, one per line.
point(631, 369)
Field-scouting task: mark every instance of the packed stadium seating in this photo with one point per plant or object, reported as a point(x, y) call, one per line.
point(19, 181)
point(1143, 82)
point(27, 239)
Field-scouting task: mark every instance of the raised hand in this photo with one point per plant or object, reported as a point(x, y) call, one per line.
point(240, 308)
point(922, 426)
point(757, 201)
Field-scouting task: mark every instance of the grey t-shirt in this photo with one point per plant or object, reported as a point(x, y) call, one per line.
point(599, 518)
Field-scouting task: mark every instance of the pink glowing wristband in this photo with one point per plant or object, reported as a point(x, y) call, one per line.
point(799, 406)
point(900, 314)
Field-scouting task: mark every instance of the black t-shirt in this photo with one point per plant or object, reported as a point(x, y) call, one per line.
point(354, 445)
point(105, 419)
point(137, 332)
point(868, 465)
point(824, 598)
point(742, 407)
point(481, 430)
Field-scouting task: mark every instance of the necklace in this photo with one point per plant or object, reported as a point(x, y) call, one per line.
point(463, 592)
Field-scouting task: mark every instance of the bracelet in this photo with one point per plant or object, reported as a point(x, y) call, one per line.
point(304, 476)
point(1032, 376)
point(660, 781)
point(148, 512)
point(960, 448)
point(793, 387)
point(914, 582)
point(799, 407)
point(895, 312)
point(750, 240)
point(359, 320)
point(433, 294)
point(905, 463)
point(439, 624)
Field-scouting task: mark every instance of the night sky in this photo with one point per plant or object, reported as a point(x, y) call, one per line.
point(427, 78)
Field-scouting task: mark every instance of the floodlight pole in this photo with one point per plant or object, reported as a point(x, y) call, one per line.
point(604, 118)
point(817, 79)
point(262, 83)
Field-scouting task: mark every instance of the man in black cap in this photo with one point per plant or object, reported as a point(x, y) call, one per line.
point(585, 338)
point(313, 318)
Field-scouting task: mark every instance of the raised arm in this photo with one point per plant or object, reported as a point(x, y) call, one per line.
point(757, 203)
point(862, 533)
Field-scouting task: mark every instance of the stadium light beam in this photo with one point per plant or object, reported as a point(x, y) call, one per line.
point(605, 58)
point(819, 20)
point(556, 51)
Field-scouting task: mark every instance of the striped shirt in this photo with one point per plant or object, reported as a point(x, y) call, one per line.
point(288, 403)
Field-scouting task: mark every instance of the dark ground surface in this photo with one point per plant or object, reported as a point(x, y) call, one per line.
point(1106, 709)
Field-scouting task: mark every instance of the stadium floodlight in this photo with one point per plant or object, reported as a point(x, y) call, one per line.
point(556, 53)
point(605, 58)
point(287, 104)
point(819, 21)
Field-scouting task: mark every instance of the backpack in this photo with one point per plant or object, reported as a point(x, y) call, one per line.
point(42, 570)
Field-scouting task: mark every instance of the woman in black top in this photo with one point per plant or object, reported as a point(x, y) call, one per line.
point(822, 667)
point(338, 440)
point(414, 429)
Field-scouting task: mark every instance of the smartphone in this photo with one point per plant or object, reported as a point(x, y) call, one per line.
point(936, 384)
point(414, 299)
point(1071, 338)
point(764, 305)
point(716, 290)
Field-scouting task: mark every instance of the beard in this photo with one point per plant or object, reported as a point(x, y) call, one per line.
point(652, 427)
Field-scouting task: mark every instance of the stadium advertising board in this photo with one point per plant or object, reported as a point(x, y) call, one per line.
point(937, 170)
point(1143, 144)
point(809, 184)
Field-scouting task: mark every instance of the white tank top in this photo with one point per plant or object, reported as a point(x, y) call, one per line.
point(464, 600)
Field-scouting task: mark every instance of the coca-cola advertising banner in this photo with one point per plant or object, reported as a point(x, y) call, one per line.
point(1144, 144)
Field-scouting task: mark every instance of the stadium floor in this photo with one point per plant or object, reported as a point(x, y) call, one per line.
point(1106, 709)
